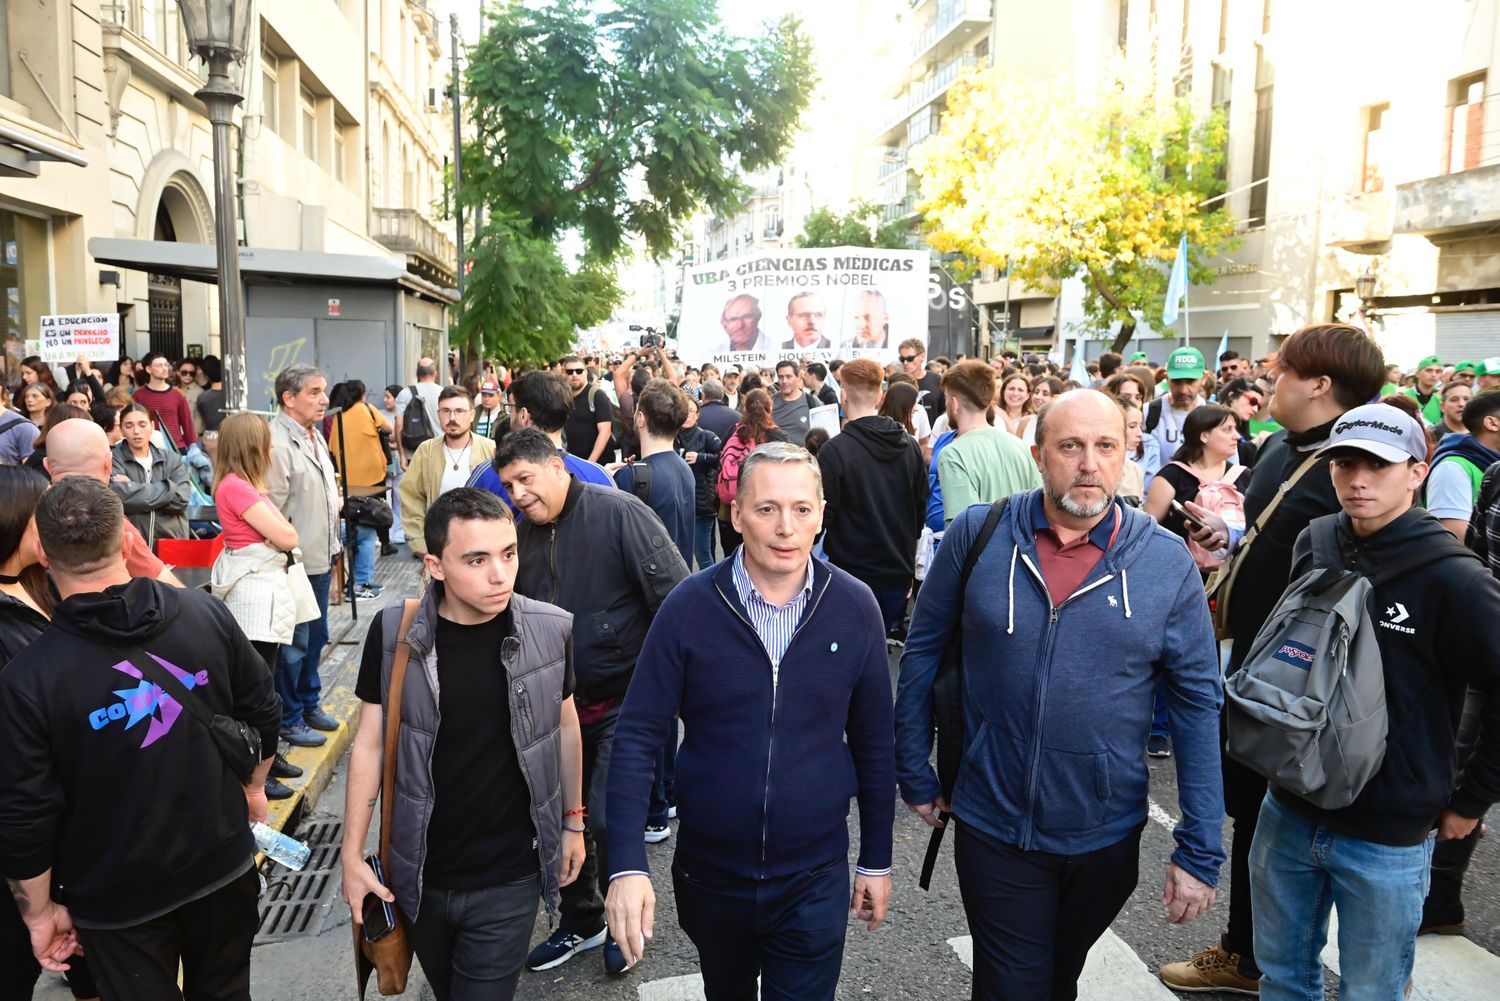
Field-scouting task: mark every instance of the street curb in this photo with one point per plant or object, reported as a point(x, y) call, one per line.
point(317, 763)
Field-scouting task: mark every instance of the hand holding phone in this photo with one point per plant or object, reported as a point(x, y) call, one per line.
point(378, 914)
point(1177, 506)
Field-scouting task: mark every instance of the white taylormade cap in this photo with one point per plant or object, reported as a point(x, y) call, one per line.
point(1384, 431)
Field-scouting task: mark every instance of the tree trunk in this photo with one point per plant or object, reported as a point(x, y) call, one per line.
point(1127, 331)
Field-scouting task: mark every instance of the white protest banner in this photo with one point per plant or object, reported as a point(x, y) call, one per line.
point(94, 335)
point(825, 417)
point(825, 303)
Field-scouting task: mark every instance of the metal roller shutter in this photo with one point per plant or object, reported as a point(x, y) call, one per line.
point(1468, 336)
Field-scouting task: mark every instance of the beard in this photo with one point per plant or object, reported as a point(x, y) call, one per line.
point(1064, 500)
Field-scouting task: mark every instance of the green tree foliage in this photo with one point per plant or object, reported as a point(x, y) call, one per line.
point(859, 227)
point(603, 124)
point(1099, 188)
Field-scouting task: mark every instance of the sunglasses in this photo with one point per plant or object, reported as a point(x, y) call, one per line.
point(187, 371)
point(1254, 400)
point(574, 371)
point(908, 358)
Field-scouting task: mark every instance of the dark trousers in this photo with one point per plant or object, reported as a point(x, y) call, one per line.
point(729, 539)
point(1035, 915)
point(1244, 791)
point(19, 969)
point(664, 782)
point(1450, 859)
point(211, 936)
point(788, 931)
point(267, 653)
point(582, 906)
point(892, 602)
point(472, 943)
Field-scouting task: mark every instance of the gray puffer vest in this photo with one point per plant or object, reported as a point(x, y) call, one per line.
point(535, 658)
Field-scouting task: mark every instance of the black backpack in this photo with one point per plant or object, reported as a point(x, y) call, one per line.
point(416, 423)
point(948, 690)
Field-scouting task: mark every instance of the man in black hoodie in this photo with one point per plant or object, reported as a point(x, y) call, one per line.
point(1438, 628)
point(875, 485)
point(122, 828)
point(1321, 373)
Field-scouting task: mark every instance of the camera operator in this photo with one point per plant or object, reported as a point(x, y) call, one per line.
point(631, 375)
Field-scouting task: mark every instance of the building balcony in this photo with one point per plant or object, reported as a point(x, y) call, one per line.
point(957, 22)
point(925, 91)
point(1449, 205)
point(429, 252)
point(1359, 222)
point(903, 209)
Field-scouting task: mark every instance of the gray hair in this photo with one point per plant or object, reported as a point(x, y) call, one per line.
point(781, 453)
point(292, 378)
point(713, 391)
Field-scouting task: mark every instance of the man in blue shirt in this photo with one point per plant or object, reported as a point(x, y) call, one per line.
point(543, 401)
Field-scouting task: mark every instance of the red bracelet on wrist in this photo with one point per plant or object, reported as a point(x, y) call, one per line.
point(578, 811)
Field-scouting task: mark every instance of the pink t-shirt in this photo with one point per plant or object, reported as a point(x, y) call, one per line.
point(233, 498)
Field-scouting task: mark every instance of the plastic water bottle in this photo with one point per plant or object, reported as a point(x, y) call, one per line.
point(280, 847)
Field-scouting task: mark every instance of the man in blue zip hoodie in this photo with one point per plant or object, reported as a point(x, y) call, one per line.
point(1052, 793)
point(788, 716)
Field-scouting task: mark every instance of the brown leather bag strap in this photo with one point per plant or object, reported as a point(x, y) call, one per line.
point(393, 728)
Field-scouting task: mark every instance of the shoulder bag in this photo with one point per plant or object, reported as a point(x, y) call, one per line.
point(1220, 585)
point(390, 958)
point(238, 742)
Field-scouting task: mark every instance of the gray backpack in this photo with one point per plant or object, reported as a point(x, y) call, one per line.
point(1307, 708)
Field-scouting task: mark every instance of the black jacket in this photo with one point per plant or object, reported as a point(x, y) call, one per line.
point(107, 781)
point(1439, 632)
point(720, 418)
point(1269, 561)
point(705, 469)
point(20, 624)
point(875, 484)
point(609, 560)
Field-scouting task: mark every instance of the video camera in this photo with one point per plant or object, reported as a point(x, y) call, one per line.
point(651, 338)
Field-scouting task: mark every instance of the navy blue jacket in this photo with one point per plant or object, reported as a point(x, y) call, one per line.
point(1057, 702)
point(764, 775)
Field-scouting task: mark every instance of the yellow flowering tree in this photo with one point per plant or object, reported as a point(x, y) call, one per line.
point(1100, 187)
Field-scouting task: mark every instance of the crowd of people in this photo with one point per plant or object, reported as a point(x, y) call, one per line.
point(658, 592)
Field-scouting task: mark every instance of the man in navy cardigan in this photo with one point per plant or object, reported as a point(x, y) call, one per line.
point(764, 776)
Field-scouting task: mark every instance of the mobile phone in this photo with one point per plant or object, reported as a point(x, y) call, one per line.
point(379, 915)
point(1177, 506)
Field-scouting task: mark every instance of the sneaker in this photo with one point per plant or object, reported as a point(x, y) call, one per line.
point(1158, 746)
point(614, 959)
point(671, 813)
point(561, 946)
point(366, 593)
point(302, 735)
point(275, 789)
point(657, 832)
point(1210, 970)
point(281, 768)
point(388, 549)
point(319, 720)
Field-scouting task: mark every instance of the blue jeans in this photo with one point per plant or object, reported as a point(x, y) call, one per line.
point(297, 679)
point(1159, 711)
point(366, 543)
point(1298, 872)
point(703, 539)
point(472, 943)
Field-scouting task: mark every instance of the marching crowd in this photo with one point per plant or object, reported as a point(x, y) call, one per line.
point(661, 592)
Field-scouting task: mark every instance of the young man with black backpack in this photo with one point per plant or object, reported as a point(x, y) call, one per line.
point(1437, 626)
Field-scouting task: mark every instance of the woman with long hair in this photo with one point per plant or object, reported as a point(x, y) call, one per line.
point(1014, 399)
point(55, 416)
point(699, 448)
point(1129, 386)
point(1209, 440)
point(252, 576)
point(152, 482)
point(36, 401)
point(359, 439)
point(80, 393)
point(756, 427)
point(900, 405)
point(1243, 397)
point(34, 370)
point(121, 375)
point(1132, 489)
point(26, 605)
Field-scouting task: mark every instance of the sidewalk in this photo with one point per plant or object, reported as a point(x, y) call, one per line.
point(402, 578)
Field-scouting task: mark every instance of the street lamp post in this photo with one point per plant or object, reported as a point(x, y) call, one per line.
point(218, 32)
point(1364, 288)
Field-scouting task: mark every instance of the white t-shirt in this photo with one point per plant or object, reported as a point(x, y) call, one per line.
point(1450, 492)
point(458, 463)
point(921, 423)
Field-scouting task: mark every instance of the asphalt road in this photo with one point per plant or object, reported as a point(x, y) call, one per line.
point(910, 957)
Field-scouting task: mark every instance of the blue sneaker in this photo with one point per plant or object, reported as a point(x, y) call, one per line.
point(614, 959)
point(561, 946)
point(303, 735)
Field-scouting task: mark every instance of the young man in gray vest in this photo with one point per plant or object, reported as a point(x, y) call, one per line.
point(488, 819)
point(1438, 629)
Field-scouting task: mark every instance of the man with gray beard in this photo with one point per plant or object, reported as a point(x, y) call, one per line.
point(1051, 794)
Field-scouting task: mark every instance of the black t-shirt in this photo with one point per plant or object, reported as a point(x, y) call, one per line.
point(211, 408)
point(480, 833)
point(590, 409)
point(826, 395)
point(932, 385)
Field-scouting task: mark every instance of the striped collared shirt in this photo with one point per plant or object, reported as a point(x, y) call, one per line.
point(773, 624)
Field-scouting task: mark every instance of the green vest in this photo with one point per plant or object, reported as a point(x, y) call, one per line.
point(1432, 410)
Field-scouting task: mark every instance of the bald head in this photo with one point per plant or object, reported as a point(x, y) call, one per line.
point(77, 448)
point(1088, 406)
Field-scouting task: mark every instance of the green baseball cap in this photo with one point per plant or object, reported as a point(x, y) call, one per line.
point(1490, 366)
point(1429, 360)
point(1185, 363)
point(1466, 366)
point(1138, 356)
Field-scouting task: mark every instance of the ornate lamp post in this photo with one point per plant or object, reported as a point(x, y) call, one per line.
point(218, 32)
point(1364, 287)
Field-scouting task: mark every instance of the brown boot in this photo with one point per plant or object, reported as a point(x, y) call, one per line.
point(1210, 970)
